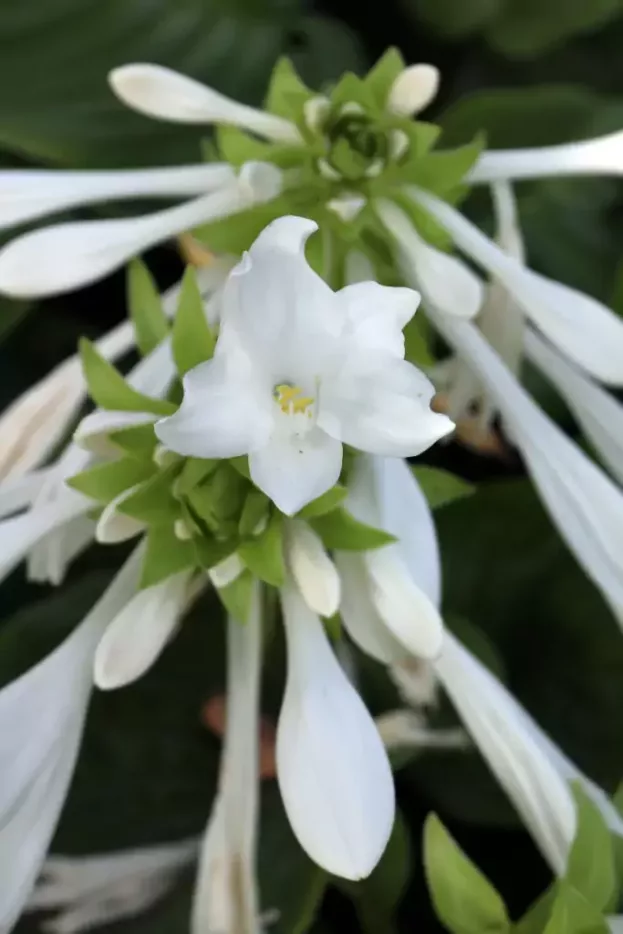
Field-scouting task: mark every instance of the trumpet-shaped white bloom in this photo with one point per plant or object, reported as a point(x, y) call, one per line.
point(67, 256)
point(312, 569)
point(333, 772)
point(296, 373)
point(600, 156)
point(88, 891)
point(41, 719)
point(226, 897)
point(384, 609)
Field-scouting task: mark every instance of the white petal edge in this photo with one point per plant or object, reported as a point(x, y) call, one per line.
point(332, 769)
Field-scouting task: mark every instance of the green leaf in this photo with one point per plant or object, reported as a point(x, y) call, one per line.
point(109, 390)
point(145, 307)
point(192, 340)
point(440, 487)
point(210, 551)
point(153, 502)
point(527, 28)
point(441, 171)
point(264, 555)
point(339, 529)
point(237, 147)
point(381, 76)
point(165, 554)
point(137, 441)
point(573, 914)
point(105, 481)
point(456, 18)
point(417, 349)
point(465, 901)
point(254, 513)
point(536, 917)
point(236, 597)
point(591, 867)
point(287, 94)
point(325, 503)
point(194, 472)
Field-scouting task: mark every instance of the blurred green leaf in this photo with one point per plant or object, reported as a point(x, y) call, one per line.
point(145, 307)
point(591, 869)
point(573, 914)
point(528, 28)
point(455, 18)
point(109, 390)
point(440, 487)
point(464, 899)
point(192, 341)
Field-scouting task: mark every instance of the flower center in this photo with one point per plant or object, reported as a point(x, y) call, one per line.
point(293, 401)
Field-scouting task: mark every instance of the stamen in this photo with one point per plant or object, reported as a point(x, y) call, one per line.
point(291, 400)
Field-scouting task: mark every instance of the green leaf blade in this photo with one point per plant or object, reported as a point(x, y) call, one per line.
point(192, 340)
point(145, 305)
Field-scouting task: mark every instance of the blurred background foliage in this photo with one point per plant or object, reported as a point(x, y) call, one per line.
point(526, 72)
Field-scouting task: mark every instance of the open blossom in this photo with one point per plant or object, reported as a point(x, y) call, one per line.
point(299, 370)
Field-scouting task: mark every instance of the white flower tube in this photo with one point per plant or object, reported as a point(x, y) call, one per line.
point(66, 256)
point(580, 326)
point(585, 504)
point(332, 769)
point(442, 279)
point(413, 90)
point(599, 413)
point(312, 569)
point(226, 897)
point(167, 95)
point(600, 156)
point(41, 719)
point(88, 891)
point(28, 194)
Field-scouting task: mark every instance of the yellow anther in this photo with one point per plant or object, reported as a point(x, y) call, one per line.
point(291, 399)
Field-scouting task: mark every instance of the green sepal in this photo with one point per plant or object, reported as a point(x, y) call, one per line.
point(236, 597)
point(381, 76)
point(210, 551)
point(145, 306)
point(287, 93)
point(194, 472)
point(241, 465)
point(237, 147)
point(106, 481)
point(254, 514)
point(109, 390)
point(264, 555)
point(464, 899)
point(349, 89)
point(165, 554)
point(138, 441)
point(417, 350)
point(325, 503)
point(443, 170)
point(440, 487)
point(153, 502)
point(591, 865)
point(192, 341)
point(572, 913)
point(236, 233)
point(340, 530)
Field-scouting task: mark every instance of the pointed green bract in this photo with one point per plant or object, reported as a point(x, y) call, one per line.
point(573, 914)
point(440, 487)
point(165, 554)
point(254, 514)
point(137, 441)
point(109, 390)
point(236, 597)
point(339, 529)
point(194, 471)
point(105, 481)
point(264, 554)
point(464, 899)
point(153, 502)
point(192, 340)
point(145, 306)
point(381, 76)
point(325, 503)
point(591, 866)
point(286, 92)
point(237, 147)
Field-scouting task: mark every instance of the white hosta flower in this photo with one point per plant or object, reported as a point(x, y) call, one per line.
point(296, 374)
point(383, 608)
point(140, 631)
point(226, 897)
point(167, 95)
point(89, 891)
point(26, 194)
point(581, 327)
point(312, 569)
point(67, 256)
point(332, 769)
point(600, 156)
point(598, 412)
point(41, 719)
point(443, 279)
point(413, 90)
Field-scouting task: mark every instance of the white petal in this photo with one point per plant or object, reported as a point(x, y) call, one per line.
point(16, 494)
point(224, 413)
point(381, 405)
point(347, 207)
point(378, 314)
point(598, 412)
point(333, 772)
point(113, 526)
point(601, 156)
point(531, 781)
point(92, 432)
point(583, 328)
point(26, 195)
point(167, 95)
point(294, 471)
point(226, 571)
point(140, 631)
point(41, 716)
point(312, 569)
point(66, 256)
point(359, 615)
point(584, 503)
point(413, 90)
point(357, 267)
point(289, 234)
point(443, 279)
